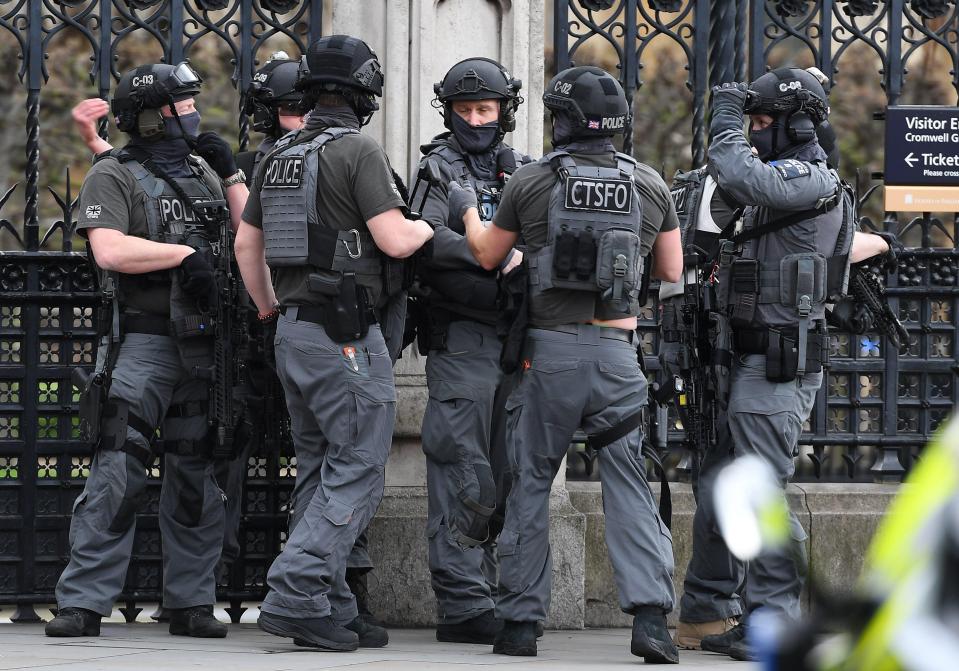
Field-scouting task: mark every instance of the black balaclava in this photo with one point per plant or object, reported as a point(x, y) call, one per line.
point(170, 152)
point(564, 137)
point(770, 141)
point(339, 116)
point(475, 139)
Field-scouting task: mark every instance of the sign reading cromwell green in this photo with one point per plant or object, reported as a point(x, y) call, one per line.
point(922, 159)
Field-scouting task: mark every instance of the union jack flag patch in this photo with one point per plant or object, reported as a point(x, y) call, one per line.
point(593, 125)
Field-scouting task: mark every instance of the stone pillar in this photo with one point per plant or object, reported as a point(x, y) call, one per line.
point(417, 41)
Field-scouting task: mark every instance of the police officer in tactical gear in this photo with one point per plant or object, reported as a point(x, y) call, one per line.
point(151, 212)
point(589, 217)
point(325, 216)
point(694, 347)
point(775, 277)
point(276, 106)
point(478, 99)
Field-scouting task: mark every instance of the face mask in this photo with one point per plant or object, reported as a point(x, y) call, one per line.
point(474, 139)
point(189, 122)
point(562, 129)
point(170, 152)
point(766, 141)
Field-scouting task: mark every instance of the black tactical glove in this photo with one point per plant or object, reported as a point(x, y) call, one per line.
point(729, 101)
point(217, 153)
point(461, 199)
point(197, 279)
point(891, 258)
point(849, 316)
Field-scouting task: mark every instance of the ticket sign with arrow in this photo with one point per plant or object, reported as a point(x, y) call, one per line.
point(922, 158)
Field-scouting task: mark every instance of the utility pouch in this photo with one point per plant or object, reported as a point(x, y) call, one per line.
point(323, 285)
point(394, 275)
point(782, 357)
point(743, 290)
point(93, 395)
point(618, 266)
point(564, 253)
point(720, 356)
point(347, 315)
point(193, 332)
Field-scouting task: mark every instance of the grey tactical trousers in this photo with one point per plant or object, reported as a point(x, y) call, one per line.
point(714, 576)
point(462, 381)
point(766, 419)
point(148, 376)
point(342, 405)
point(572, 381)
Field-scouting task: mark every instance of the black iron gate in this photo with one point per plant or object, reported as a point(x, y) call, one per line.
point(876, 408)
point(47, 302)
point(874, 405)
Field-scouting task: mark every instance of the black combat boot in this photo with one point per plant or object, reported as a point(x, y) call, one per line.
point(742, 651)
point(196, 621)
point(314, 632)
point(370, 635)
point(651, 639)
point(722, 643)
point(74, 622)
point(356, 580)
point(480, 629)
point(517, 639)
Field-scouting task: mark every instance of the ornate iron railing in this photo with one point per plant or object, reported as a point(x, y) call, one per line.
point(48, 303)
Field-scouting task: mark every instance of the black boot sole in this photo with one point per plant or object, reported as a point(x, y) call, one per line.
point(363, 644)
point(183, 630)
point(514, 650)
point(652, 655)
point(447, 636)
point(307, 637)
point(90, 630)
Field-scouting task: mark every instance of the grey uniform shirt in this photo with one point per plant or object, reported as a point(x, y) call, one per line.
point(355, 183)
point(524, 209)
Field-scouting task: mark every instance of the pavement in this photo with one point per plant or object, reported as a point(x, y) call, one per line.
point(148, 646)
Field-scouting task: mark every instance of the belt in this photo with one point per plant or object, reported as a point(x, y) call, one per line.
point(145, 323)
point(605, 332)
point(314, 314)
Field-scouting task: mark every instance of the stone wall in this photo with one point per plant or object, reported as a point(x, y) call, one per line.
point(840, 520)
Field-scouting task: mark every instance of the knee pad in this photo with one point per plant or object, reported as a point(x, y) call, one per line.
point(477, 503)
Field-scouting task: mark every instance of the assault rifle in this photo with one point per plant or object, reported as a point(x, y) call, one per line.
point(228, 321)
point(868, 293)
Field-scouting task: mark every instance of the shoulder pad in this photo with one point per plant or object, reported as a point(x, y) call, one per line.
point(790, 168)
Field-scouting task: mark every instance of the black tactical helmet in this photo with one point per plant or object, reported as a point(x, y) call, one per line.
point(479, 79)
point(150, 87)
point(788, 92)
point(272, 88)
point(592, 98)
point(339, 61)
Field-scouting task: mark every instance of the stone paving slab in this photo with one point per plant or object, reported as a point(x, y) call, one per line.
point(148, 647)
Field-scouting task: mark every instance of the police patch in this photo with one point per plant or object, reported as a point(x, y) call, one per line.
point(284, 172)
point(172, 210)
point(599, 195)
point(790, 168)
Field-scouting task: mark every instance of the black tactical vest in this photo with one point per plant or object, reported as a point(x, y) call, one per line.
point(593, 237)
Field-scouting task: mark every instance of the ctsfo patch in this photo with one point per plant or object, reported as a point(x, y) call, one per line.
point(599, 195)
point(284, 172)
point(790, 168)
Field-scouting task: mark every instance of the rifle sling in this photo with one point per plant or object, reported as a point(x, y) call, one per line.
point(779, 224)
